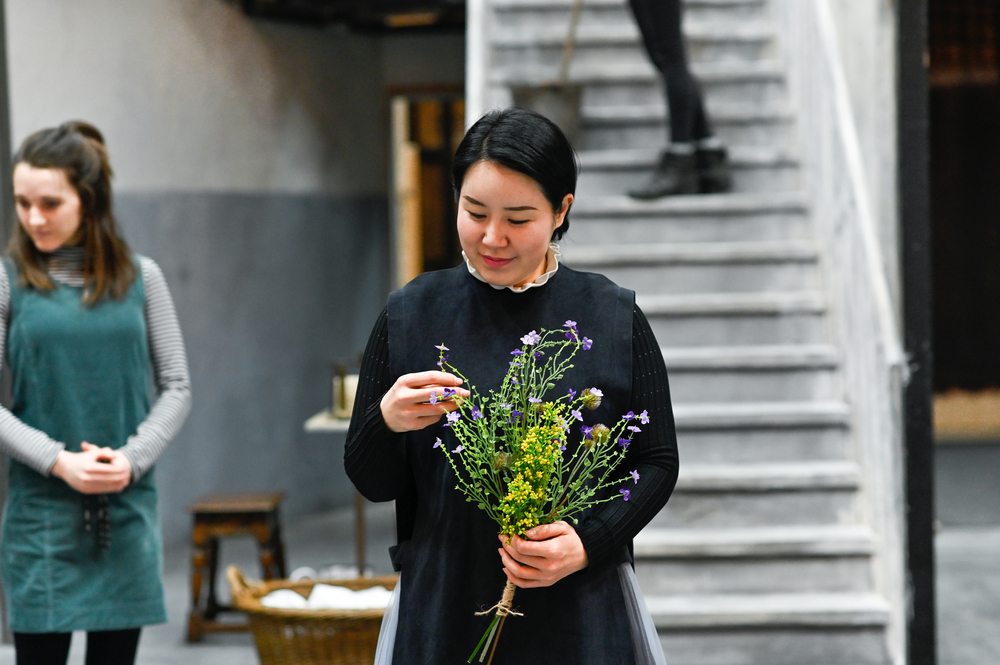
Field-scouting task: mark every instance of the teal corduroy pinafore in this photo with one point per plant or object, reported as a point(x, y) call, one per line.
point(80, 373)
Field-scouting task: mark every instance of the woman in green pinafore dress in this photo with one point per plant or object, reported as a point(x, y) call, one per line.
point(89, 331)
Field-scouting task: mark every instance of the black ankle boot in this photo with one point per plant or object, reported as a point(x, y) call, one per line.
point(675, 174)
point(713, 170)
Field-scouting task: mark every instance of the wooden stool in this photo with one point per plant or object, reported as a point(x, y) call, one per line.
point(218, 517)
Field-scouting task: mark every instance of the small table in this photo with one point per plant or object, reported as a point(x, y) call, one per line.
point(223, 516)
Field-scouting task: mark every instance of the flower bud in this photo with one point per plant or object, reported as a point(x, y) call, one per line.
point(500, 461)
point(601, 433)
point(591, 400)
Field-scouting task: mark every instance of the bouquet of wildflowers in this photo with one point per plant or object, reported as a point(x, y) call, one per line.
point(512, 458)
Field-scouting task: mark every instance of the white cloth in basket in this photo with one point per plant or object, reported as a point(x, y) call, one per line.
point(284, 599)
point(329, 597)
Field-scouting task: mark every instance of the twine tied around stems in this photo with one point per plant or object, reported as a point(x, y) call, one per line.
point(503, 608)
point(492, 635)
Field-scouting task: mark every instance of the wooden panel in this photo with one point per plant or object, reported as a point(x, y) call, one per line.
point(963, 42)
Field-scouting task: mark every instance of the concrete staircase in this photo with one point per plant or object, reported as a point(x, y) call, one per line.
point(764, 554)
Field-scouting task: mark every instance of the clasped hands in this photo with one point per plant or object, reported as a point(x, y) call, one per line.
point(93, 470)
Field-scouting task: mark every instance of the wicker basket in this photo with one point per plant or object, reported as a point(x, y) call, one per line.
point(309, 637)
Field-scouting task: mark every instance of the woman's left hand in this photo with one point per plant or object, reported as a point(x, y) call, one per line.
point(553, 552)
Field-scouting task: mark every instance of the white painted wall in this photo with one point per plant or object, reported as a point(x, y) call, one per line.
point(251, 161)
point(192, 95)
point(866, 30)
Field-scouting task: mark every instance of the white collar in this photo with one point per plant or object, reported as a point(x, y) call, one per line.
point(551, 259)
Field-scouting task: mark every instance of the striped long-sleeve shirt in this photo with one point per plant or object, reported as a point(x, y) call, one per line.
point(170, 373)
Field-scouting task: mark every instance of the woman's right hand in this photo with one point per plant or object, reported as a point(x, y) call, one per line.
point(94, 470)
point(406, 406)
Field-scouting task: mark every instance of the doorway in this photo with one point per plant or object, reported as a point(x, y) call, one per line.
point(427, 126)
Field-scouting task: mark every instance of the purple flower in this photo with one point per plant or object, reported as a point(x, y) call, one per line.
point(629, 416)
point(442, 347)
point(597, 392)
point(506, 406)
point(538, 355)
point(562, 447)
point(448, 392)
point(442, 361)
point(586, 431)
point(587, 343)
point(531, 338)
point(476, 413)
point(437, 443)
point(514, 415)
point(624, 443)
point(572, 394)
point(452, 418)
point(571, 335)
point(626, 494)
point(534, 400)
point(461, 448)
point(633, 428)
point(635, 475)
point(644, 417)
point(570, 324)
point(517, 352)
point(576, 414)
point(515, 381)
point(434, 397)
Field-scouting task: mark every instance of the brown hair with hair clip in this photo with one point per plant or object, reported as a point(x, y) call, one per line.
point(77, 149)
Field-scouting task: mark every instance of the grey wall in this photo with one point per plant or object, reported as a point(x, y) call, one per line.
point(251, 163)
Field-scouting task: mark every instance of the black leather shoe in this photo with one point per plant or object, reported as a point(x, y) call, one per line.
point(675, 174)
point(713, 170)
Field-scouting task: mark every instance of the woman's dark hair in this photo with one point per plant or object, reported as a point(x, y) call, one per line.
point(526, 142)
point(77, 149)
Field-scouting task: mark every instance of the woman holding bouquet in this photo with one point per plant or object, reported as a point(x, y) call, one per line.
point(515, 178)
point(88, 328)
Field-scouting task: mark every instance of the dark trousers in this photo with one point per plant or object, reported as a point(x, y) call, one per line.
point(105, 647)
point(660, 24)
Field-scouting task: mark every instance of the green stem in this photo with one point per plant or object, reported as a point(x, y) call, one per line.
point(488, 634)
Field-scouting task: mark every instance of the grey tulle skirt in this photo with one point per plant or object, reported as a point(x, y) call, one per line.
point(645, 641)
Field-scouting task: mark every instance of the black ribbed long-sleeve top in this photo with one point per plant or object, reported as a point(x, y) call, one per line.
point(375, 456)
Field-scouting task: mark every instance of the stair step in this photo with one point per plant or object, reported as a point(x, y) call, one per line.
point(770, 477)
point(732, 304)
point(752, 373)
point(739, 560)
point(765, 128)
point(705, 204)
point(768, 610)
point(548, 35)
point(789, 356)
point(655, 113)
point(776, 415)
point(515, 5)
point(645, 158)
point(707, 73)
point(776, 541)
point(735, 318)
point(611, 219)
point(663, 254)
point(681, 268)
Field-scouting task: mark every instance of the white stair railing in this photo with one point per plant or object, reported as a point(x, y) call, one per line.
point(857, 284)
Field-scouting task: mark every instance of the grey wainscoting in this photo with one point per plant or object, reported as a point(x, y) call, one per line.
point(268, 289)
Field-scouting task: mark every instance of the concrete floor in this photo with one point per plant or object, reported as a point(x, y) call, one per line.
point(968, 586)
